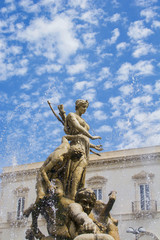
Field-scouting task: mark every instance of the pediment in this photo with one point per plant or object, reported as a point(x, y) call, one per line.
point(21, 189)
point(143, 175)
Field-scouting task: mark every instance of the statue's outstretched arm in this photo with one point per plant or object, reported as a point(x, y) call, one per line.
point(97, 147)
point(80, 217)
point(80, 128)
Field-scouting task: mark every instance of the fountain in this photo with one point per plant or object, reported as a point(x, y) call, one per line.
point(70, 210)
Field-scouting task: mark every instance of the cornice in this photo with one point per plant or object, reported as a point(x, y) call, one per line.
point(126, 160)
point(104, 160)
point(19, 173)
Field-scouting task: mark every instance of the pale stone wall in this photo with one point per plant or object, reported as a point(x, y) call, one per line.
point(121, 171)
point(124, 171)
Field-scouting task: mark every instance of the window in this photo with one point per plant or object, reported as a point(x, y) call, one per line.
point(144, 197)
point(98, 193)
point(20, 207)
point(98, 185)
point(21, 196)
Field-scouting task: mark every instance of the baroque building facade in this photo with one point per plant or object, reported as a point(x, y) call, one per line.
point(134, 174)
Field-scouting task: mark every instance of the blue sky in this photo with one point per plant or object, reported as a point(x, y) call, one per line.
point(104, 51)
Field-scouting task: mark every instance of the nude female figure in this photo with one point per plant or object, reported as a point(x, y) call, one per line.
point(76, 125)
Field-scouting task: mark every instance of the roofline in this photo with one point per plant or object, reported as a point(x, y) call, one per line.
point(111, 156)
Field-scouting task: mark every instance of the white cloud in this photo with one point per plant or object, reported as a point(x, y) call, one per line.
point(70, 79)
point(104, 128)
point(124, 72)
point(141, 68)
point(89, 39)
point(69, 103)
point(122, 46)
point(91, 16)
point(26, 86)
point(82, 85)
point(100, 115)
point(143, 49)
point(156, 24)
point(116, 17)
point(144, 68)
point(122, 124)
point(97, 105)
point(3, 97)
point(137, 30)
point(157, 87)
point(104, 73)
point(78, 67)
point(3, 24)
point(8, 70)
point(10, 7)
point(154, 116)
point(142, 130)
point(79, 3)
point(51, 37)
point(131, 140)
point(29, 6)
point(140, 117)
point(146, 100)
point(15, 50)
point(115, 101)
point(145, 3)
point(50, 68)
point(148, 13)
point(89, 94)
point(56, 131)
point(115, 35)
point(148, 89)
point(126, 90)
point(108, 85)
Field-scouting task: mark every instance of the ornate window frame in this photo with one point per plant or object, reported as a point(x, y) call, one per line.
point(143, 179)
point(20, 197)
point(98, 182)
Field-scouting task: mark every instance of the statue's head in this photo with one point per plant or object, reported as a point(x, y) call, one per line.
point(86, 198)
point(81, 102)
point(75, 152)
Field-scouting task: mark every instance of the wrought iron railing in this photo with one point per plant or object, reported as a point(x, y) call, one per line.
point(13, 216)
point(16, 219)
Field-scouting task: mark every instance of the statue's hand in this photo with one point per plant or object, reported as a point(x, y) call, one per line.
point(98, 147)
point(96, 137)
point(89, 227)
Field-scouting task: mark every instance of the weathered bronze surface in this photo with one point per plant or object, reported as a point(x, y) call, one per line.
point(61, 197)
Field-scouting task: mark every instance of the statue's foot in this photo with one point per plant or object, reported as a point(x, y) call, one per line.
point(91, 236)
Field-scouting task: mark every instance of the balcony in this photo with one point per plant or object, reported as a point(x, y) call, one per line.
point(145, 208)
point(13, 219)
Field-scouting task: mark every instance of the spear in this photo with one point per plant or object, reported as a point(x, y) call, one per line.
point(55, 113)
